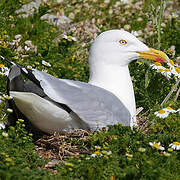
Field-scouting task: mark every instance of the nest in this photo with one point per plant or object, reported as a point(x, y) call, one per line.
point(59, 147)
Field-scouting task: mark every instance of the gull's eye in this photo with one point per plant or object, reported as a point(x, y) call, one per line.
point(123, 42)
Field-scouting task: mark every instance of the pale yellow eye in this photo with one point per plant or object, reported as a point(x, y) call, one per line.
point(123, 42)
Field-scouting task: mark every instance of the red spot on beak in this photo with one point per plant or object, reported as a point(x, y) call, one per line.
point(159, 59)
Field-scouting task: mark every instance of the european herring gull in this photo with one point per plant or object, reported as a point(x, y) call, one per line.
point(59, 105)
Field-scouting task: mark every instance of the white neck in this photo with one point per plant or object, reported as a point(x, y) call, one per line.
point(116, 80)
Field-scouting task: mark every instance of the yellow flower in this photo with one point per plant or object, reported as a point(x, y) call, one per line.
point(46, 63)
point(96, 153)
point(156, 145)
point(129, 155)
point(171, 62)
point(7, 97)
point(162, 113)
point(167, 70)
point(2, 65)
point(98, 147)
point(169, 109)
point(170, 149)
point(8, 159)
point(141, 149)
point(37, 63)
point(29, 67)
point(177, 69)
point(175, 145)
point(21, 120)
point(44, 70)
point(68, 164)
point(166, 154)
point(2, 98)
point(160, 70)
point(9, 110)
point(139, 62)
point(4, 134)
point(158, 64)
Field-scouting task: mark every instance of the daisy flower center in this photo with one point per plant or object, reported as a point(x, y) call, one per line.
point(161, 111)
point(97, 152)
point(156, 146)
point(176, 143)
point(177, 69)
point(158, 64)
point(167, 70)
point(160, 70)
point(168, 107)
point(2, 65)
point(171, 62)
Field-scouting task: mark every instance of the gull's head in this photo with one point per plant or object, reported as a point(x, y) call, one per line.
point(121, 47)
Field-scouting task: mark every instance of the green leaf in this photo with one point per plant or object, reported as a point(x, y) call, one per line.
point(147, 79)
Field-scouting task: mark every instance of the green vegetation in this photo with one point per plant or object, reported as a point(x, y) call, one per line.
point(119, 153)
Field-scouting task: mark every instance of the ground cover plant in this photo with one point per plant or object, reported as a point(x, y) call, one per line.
point(150, 150)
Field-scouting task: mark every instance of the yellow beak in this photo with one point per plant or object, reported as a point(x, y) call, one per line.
point(154, 55)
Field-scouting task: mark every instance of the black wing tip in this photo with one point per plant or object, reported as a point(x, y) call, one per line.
point(23, 69)
point(7, 60)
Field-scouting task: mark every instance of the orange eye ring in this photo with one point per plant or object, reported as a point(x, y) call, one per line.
point(123, 42)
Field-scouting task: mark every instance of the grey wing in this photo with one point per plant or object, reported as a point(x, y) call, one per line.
point(94, 105)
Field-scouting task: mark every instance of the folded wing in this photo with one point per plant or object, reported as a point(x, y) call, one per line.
point(94, 105)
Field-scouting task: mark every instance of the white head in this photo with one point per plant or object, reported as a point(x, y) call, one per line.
point(121, 47)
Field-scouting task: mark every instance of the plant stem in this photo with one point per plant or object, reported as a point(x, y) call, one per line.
point(170, 93)
point(159, 23)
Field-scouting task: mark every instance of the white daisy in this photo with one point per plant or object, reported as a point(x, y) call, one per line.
point(176, 71)
point(4, 71)
point(74, 39)
point(156, 65)
point(2, 98)
point(27, 48)
point(44, 70)
point(162, 113)
point(170, 63)
point(141, 149)
point(107, 152)
point(98, 147)
point(93, 155)
point(18, 36)
point(4, 134)
point(156, 145)
point(169, 109)
point(9, 110)
point(159, 68)
point(166, 154)
point(46, 63)
point(2, 126)
point(129, 155)
point(29, 67)
point(64, 36)
point(7, 97)
point(68, 164)
point(2, 65)
point(96, 153)
point(125, 1)
point(135, 33)
point(167, 73)
point(175, 145)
